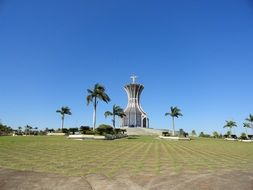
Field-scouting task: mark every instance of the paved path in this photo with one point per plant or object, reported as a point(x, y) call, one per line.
point(27, 180)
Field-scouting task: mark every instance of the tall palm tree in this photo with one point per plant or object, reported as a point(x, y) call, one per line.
point(246, 125)
point(174, 112)
point(28, 129)
point(63, 111)
point(20, 130)
point(250, 119)
point(98, 93)
point(116, 111)
point(230, 124)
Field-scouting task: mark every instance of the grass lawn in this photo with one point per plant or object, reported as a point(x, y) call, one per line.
point(134, 156)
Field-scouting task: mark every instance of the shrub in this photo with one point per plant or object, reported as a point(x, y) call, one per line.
point(118, 136)
point(228, 134)
point(117, 131)
point(243, 136)
point(110, 137)
point(51, 130)
point(250, 136)
point(90, 132)
point(84, 129)
point(215, 134)
point(202, 134)
point(73, 130)
point(234, 136)
point(105, 129)
point(165, 133)
point(65, 130)
point(123, 131)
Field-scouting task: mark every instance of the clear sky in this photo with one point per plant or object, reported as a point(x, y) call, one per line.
point(194, 54)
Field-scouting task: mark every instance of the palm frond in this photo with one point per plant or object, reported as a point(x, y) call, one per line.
point(108, 113)
point(89, 91)
point(250, 118)
point(246, 125)
point(174, 112)
point(230, 124)
point(89, 99)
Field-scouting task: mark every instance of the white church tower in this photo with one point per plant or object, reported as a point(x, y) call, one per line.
point(135, 116)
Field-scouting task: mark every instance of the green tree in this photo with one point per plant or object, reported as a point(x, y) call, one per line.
point(116, 111)
point(98, 93)
point(5, 130)
point(63, 111)
point(250, 120)
point(73, 130)
point(19, 130)
point(215, 134)
point(194, 133)
point(174, 112)
point(201, 134)
point(246, 126)
point(181, 132)
point(230, 124)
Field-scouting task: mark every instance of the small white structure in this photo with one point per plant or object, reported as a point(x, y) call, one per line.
point(230, 139)
point(86, 137)
point(55, 134)
point(175, 138)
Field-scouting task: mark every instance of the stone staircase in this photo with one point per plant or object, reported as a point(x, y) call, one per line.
point(143, 131)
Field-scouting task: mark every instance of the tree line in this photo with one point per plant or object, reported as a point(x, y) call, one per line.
point(98, 93)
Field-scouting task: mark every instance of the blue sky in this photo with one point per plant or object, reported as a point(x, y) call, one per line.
point(194, 54)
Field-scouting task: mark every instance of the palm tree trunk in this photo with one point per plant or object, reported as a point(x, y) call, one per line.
point(173, 125)
point(230, 128)
point(251, 126)
point(113, 121)
point(94, 114)
point(246, 132)
point(62, 122)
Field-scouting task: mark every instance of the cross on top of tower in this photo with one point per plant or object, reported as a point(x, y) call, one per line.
point(133, 77)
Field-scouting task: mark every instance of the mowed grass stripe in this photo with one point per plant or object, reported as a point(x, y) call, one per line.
point(141, 157)
point(216, 157)
point(173, 156)
point(118, 153)
point(197, 159)
point(123, 163)
point(135, 156)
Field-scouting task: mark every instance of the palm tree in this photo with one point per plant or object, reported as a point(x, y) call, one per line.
point(116, 111)
point(98, 93)
point(19, 130)
point(174, 112)
point(63, 111)
point(250, 119)
point(230, 124)
point(246, 125)
point(28, 129)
